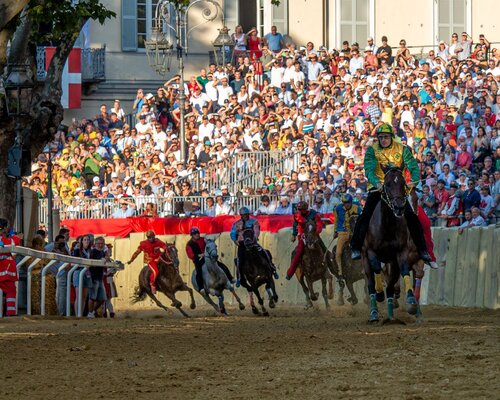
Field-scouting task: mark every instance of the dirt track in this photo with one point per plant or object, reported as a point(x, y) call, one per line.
point(291, 355)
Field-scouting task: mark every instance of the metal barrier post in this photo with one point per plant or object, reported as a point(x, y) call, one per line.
point(68, 289)
point(42, 291)
point(18, 267)
point(80, 292)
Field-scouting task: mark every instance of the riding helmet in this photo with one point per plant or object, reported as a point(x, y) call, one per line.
point(194, 230)
point(302, 206)
point(150, 233)
point(244, 211)
point(385, 128)
point(346, 198)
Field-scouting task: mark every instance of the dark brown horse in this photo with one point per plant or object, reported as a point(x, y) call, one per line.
point(388, 240)
point(354, 271)
point(315, 265)
point(168, 281)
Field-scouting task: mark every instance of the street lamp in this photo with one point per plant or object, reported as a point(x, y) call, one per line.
point(18, 88)
point(222, 43)
point(159, 48)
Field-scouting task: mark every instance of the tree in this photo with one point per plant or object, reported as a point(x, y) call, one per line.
point(21, 23)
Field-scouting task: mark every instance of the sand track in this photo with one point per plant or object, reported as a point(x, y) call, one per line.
point(293, 354)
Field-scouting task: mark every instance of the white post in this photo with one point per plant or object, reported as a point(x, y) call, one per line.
point(80, 290)
point(68, 289)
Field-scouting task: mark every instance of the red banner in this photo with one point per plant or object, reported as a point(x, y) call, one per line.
point(122, 227)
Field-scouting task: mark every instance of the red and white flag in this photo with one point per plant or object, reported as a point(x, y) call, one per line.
point(71, 77)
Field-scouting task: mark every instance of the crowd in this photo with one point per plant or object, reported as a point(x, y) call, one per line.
point(323, 104)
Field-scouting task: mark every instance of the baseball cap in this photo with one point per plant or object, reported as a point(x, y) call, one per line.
point(113, 175)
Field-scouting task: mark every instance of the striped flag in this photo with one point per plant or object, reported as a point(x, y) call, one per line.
point(71, 77)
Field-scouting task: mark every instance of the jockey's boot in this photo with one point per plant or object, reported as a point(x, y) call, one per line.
point(355, 254)
point(425, 256)
point(433, 265)
point(288, 277)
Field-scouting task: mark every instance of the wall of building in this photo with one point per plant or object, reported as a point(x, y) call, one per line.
point(305, 22)
point(469, 275)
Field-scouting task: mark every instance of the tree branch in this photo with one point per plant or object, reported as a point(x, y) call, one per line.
point(9, 9)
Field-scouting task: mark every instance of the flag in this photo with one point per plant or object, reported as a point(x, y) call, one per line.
point(71, 77)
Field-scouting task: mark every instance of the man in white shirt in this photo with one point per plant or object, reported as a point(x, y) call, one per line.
point(127, 209)
point(472, 218)
point(223, 90)
point(199, 99)
point(222, 207)
point(206, 129)
point(277, 72)
point(356, 62)
point(266, 207)
point(142, 126)
point(297, 76)
point(284, 207)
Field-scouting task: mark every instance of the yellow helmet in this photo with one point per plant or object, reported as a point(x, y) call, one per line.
point(385, 128)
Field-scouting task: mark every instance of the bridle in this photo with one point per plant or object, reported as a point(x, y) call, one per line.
point(388, 199)
point(166, 257)
point(309, 243)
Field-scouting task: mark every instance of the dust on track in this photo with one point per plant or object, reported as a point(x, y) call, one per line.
point(294, 354)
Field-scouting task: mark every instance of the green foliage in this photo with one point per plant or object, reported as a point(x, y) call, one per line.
point(65, 16)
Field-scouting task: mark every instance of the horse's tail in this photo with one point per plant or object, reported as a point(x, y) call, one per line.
point(139, 295)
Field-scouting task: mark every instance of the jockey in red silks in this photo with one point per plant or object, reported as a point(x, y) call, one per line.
point(8, 269)
point(300, 218)
point(153, 249)
point(426, 226)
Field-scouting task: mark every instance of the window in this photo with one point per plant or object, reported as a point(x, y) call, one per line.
point(137, 21)
point(354, 20)
point(451, 18)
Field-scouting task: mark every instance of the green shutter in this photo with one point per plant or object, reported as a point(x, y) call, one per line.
point(129, 25)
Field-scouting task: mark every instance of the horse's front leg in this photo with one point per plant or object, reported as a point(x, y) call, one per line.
point(261, 302)
point(411, 301)
point(353, 299)
point(233, 292)
point(309, 303)
point(310, 285)
point(370, 277)
point(186, 288)
point(222, 307)
point(157, 302)
point(255, 310)
point(324, 292)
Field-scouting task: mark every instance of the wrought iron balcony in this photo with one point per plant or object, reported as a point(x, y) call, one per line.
point(93, 64)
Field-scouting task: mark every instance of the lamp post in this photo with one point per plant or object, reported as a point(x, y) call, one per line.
point(18, 88)
point(221, 43)
point(50, 194)
point(159, 48)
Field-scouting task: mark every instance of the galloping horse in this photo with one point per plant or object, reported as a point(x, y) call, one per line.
point(215, 279)
point(255, 271)
point(388, 240)
point(354, 271)
point(314, 266)
point(168, 281)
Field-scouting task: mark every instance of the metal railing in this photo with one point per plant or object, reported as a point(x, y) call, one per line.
point(63, 261)
point(246, 169)
point(180, 206)
point(93, 64)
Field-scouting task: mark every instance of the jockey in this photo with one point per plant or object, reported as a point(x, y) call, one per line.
point(388, 152)
point(245, 222)
point(195, 250)
point(153, 249)
point(8, 269)
point(300, 218)
point(343, 213)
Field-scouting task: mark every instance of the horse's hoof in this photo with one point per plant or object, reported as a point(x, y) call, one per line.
point(396, 303)
point(255, 310)
point(393, 321)
point(327, 306)
point(265, 314)
point(309, 305)
point(340, 302)
point(330, 296)
point(412, 309)
point(380, 296)
point(275, 298)
point(271, 303)
point(192, 306)
point(241, 306)
point(223, 311)
point(374, 316)
point(353, 300)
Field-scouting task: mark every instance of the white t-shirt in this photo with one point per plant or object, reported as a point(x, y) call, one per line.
point(277, 76)
point(223, 94)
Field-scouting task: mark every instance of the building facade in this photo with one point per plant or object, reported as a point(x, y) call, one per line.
point(422, 23)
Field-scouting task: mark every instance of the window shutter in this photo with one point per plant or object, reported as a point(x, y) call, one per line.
point(129, 25)
point(280, 17)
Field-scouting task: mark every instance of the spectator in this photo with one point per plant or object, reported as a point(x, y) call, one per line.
point(127, 209)
point(471, 198)
point(97, 294)
point(274, 40)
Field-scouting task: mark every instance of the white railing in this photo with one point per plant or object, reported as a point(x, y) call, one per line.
point(37, 256)
point(180, 206)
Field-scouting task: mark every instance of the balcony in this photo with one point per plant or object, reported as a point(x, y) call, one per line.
point(93, 65)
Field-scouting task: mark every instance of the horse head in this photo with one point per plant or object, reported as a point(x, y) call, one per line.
point(171, 256)
point(211, 249)
point(248, 238)
point(394, 191)
point(310, 235)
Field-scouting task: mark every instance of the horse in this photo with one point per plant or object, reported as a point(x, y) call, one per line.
point(315, 265)
point(255, 271)
point(168, 281)
point(215, 280)
point(388, 240)
point(353, 272)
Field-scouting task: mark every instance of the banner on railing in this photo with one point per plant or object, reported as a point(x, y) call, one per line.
point(122, 227)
